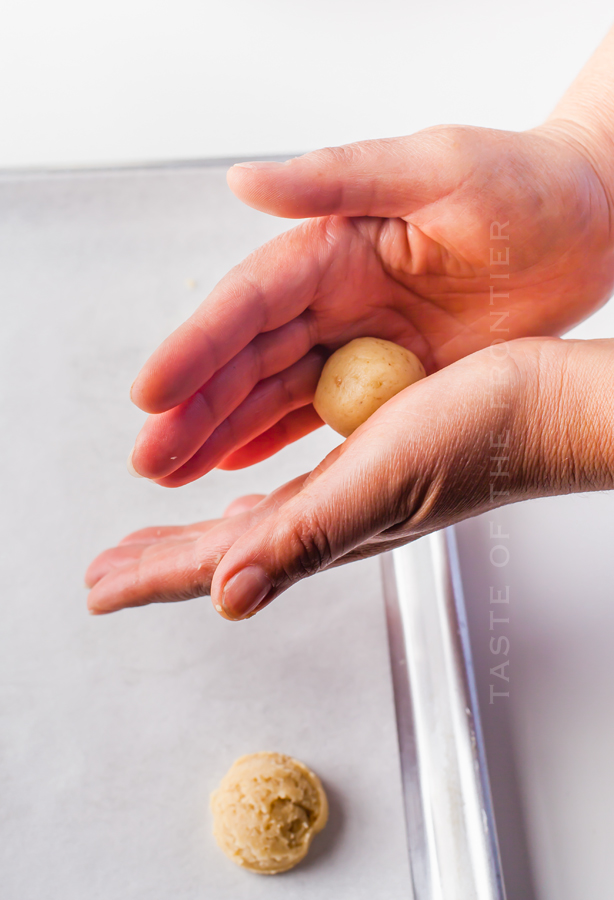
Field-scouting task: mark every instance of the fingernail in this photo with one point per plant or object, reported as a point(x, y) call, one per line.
point(245, 591)
point(261, 164)
point(131, 468)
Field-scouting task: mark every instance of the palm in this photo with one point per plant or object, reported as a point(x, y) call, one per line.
point(421, 277)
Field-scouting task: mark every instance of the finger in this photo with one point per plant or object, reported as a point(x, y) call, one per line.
point(112, 559)
point(179, 570)
point(242, 504)
point(134, 545)
point(170, 439)
point(270, 288)
point(175, 569)
point(387, 177)
point(125, 555)
point(271, 399)
point(326, 520)
point(292, 427)
point(129, 551)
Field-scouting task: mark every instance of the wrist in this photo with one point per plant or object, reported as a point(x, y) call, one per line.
point(584, 116)
point(569, 417)
point(589, 139)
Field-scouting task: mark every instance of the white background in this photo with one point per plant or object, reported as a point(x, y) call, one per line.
point(133, 80)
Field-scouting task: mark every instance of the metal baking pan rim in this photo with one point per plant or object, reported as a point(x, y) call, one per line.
point(451, 828)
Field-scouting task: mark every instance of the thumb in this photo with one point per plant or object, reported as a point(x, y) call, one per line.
point(343, 503)
point(386, 177)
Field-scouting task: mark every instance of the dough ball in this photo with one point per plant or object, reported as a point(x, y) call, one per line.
point(266, 811)
point(359, 377)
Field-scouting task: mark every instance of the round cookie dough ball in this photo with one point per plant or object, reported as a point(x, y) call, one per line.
point(361, 376)
point(266, 811)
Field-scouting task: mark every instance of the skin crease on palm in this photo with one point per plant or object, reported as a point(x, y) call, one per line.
point(397, 244)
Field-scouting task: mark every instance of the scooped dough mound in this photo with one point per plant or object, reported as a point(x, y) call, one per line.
point(361, 376)
point(266, 811)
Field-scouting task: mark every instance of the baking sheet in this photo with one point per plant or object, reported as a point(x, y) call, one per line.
point(114, 730)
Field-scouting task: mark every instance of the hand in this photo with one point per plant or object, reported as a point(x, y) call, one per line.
point(397, 246)
point(525, 419)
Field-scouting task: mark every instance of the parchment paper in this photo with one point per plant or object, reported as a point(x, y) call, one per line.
point(114, 730)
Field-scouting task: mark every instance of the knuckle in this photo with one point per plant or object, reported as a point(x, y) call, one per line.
point(311, 551)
